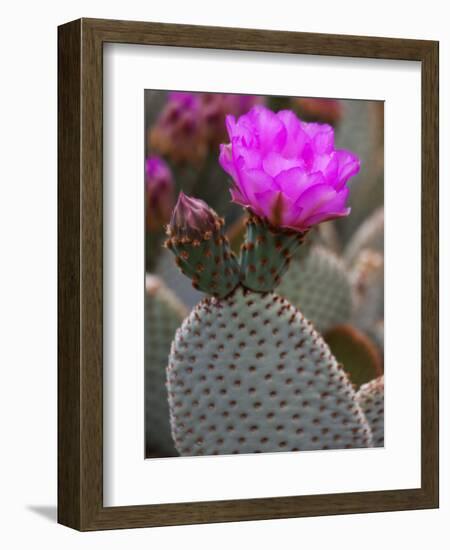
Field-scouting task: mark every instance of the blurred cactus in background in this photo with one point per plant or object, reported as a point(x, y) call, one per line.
point(163, 315)
point(278, 297)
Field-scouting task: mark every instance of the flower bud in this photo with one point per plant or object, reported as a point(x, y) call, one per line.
point(201, 249)
point(193, 219)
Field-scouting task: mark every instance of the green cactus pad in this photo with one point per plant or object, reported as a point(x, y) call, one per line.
point(371, 399)
point(266, 254)
point(163, 315)
point(319, 285)
point(356, 352)
point(250, 374)
point(207, 260)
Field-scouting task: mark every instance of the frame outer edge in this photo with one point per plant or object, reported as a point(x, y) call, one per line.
point(430, 274)
point(69, 246)
point(80, 292)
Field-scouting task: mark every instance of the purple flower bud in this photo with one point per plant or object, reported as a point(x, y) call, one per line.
point(159, 193)
point(286, 171)
point(192, 218)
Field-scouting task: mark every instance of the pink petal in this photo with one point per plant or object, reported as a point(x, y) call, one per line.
point(251, 157)
point(274, 163)
point(296, 136)
point(325, 216)
point(226, 160)
point(324, 140)
point(334, 208)
point(295, 181)
point(271, 131)
point(252, 182)
point(349, 165)
point(314, 198)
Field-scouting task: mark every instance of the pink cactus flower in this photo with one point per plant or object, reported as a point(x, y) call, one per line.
point(159, 192)
point(191, 124)
point(286, 171)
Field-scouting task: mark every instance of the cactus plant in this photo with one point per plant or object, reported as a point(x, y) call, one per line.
point(371, 399)
point(163, 315)
point(319, 285)
point(369, 235)
point(368, 289)
point(247, 371)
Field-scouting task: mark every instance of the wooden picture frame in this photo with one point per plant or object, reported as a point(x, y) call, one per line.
point(80, 272)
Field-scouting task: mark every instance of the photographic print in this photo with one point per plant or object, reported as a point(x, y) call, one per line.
point(264, 283)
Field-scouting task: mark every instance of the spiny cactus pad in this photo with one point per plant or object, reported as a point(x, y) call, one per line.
point(371, 399)
point(250, 374)
point(163, 315)
point(266, 253)
point(319, 285)
point(202, 252)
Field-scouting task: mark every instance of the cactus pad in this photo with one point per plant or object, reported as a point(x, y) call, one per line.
point(371, 398)
point(163, 315)
point(368, 289)
point(202, 251)
point(320, 287)
point(266, 253)
point(250, 374)
point(370, 234)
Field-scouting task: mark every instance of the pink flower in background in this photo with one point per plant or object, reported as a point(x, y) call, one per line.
point(159, 192)
point(191, 124)
point(285, 170)
point(178, 132)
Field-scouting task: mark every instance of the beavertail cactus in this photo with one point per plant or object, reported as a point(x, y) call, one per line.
point(371, 399)
point(250, 374)
point(163, 315)
point(319, 285)
point(247, 371)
